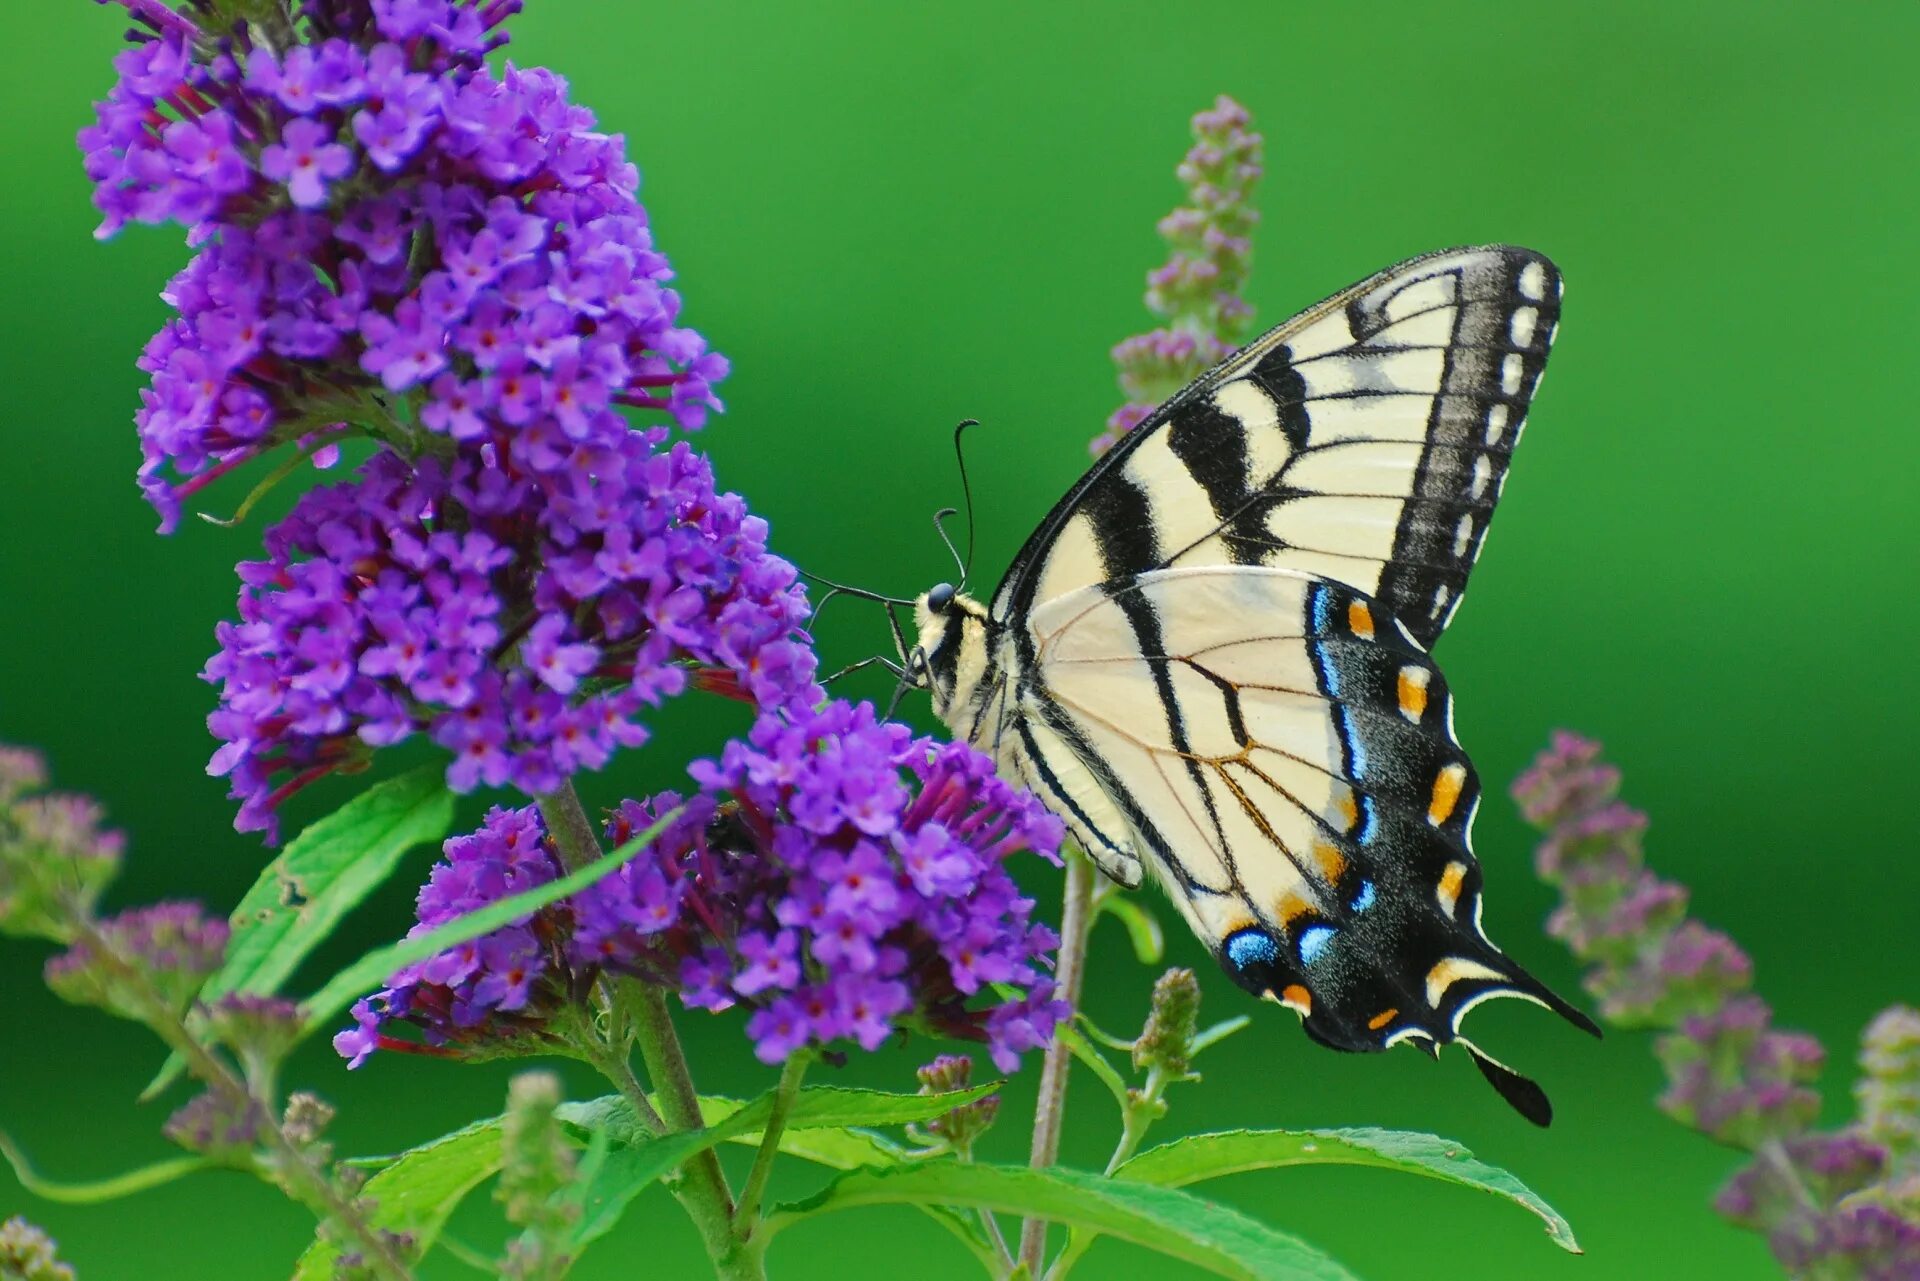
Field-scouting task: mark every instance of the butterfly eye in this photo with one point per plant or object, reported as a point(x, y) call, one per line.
point(940, 598)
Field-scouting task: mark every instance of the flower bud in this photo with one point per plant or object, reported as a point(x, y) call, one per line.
point(1197, 291)
point(1889, 1088)
point(536, 1166)
point(27, 1254)
point(307, 1118)
point(1166, 1042)
point(962, 1126)
point(216, 1125)
point(54, 858)
point(261, 1030)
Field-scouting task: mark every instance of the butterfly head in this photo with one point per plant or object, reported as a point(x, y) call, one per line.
point(950, 652)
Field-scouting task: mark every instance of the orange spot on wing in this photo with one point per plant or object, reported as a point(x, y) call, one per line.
point(1290, 907)
point(1332, 862)
point(1347, 806)
point(1295, 997)
point(1383, 1018)
point(1447, 785)
point(1413, 692)
point(1451, 881)
point(1360, 620)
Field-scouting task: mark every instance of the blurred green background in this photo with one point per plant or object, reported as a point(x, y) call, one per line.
point(894, 216)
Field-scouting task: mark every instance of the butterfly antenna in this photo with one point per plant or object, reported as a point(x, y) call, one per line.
point(843, 589)
point(939, 524)
point(966, 493)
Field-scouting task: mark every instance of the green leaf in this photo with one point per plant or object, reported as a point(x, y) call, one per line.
point(830, 1106)
point(625, 1174)
point(322, 874)
point(418, 1192)
point(1212, 1036)
point(1178, 1224)
point(371, 970)
point(1143, 927)
point(94, 1191)
point(640, 1161)
point(1207, 1156)
point(1071, 1037)
point(838, 1149)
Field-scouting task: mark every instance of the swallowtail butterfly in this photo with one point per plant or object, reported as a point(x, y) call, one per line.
point(1211, 659)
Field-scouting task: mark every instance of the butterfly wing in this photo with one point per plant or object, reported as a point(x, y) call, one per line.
point(1281, 753)
point(1365, 441)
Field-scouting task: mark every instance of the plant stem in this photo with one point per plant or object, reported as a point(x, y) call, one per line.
point(1142, 1110)
point(746, 1215)
point(1076, 922)
point(315, 1190)
point(703, 1192)
point(614, 1066)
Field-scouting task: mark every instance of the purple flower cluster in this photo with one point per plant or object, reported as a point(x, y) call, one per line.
point(55, 858)
point(838, 877)
point(1731, 1074)
point(398, 243)
point(522, 618)
point(124, 964)
point(1197, 292)
point(394, 241)
point(1825, 1211)
point(884, 889)
point(1839, 1205)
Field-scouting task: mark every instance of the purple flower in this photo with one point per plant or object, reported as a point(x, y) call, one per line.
point(306, 159)
point(1197, 292)
point(55, 858)
point(524, 621)
point(465, 240)
point(817, 929)
point(1828, 1204)
point(159, 953)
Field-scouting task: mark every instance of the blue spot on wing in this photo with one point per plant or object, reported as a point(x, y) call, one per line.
point(1364, 899)
point(1369, 821)
point(1313, 941)
point(1355, 745)
point(1251, 947)
point(1322, 606)
point(1329, 674)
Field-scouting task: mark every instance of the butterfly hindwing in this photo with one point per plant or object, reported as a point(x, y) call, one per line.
point(1364, 441)
point(1286, 753)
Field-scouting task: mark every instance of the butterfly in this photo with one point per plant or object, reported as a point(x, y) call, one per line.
point(1210, 661)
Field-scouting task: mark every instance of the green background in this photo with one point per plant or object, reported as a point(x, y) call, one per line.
point(892, 217)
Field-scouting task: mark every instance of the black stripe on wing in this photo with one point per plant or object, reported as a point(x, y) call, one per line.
point(1493, 365)
point(1303, 390)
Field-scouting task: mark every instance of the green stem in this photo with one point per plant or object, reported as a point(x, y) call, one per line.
point(747, 1216)
point(702, 1190)
point(306, 1182)
point(614, 1066)
point(1076, 922)
point(1142, 1110)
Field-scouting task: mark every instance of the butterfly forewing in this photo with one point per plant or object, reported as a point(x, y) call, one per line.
point(1365, 441)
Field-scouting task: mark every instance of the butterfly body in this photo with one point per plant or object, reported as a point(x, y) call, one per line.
point(1210, 660)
